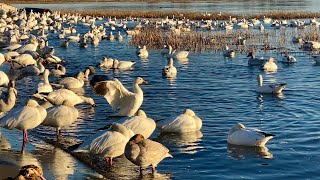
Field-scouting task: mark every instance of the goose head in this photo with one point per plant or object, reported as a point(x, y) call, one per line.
point(236, 127)
point(136, 139)
point(121, 129)
point(189, 112)
point(141, 113)
point(271, 59)
point(139, 80)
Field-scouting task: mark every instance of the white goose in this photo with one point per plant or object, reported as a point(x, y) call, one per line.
point(119, 97)
point(45, 86)
point(169, 70)
point(139, 124)
point(71, 82)
point(254, 61)
point(177, 55)
point(7, 103)
point(58, 96)
point(269, 66)
point(61, 116)
point(33, 70)
point(58, 70)
point(24, 60)
point(240, 135)
point(122, 64)
point(28, 117)
point(143, 52)
point(185, 122)
point(268, 89)
point(144, 152)
point(288, 58)
point(109, 144)
point(4, 79)
point(106, 62)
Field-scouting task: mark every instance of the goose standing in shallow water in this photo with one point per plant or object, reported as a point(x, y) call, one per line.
point(139, 124)
point(268, 89)
point(240, 135)
point(270, 65)
point(119, 97)
point(169, 70)
point(109, 144)
point(61, 116)
point(144, 152)
point(185, 122)
point(28, 117)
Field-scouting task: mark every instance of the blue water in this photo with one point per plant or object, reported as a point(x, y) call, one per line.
point(221, 92)
point(238, 6)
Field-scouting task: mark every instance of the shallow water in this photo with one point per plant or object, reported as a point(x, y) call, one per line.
point(221, 92)
point(238, 6)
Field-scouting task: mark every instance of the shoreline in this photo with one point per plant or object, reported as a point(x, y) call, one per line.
point(90, 1)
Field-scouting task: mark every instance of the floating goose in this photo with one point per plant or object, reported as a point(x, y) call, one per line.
point(229, 53)
point(58, 70)
point(119, 97)
point(240, 135)
point(268, 89)
point(122, 64)
point(270, 65)
point(45, 86)
point(144, 152)
point(106, 62)
point(253, 61)
point(108, 144)
point(61, 116)
point(71, 82)
point(185, 122)
point(169, 70)
point(288, 58)
point(139, 124)
point(7, 102)
point(27, 117)
point(177, 55)
point(142, 52)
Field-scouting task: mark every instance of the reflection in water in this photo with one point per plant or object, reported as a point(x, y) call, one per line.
point(243, 152)
point(4, 143)
point(269, 97)
point(183, 61)
point(187, 142)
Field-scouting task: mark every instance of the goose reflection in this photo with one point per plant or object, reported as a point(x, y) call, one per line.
point(183, 61)
point(243, 152)
point(188, 143)
point(269, 97)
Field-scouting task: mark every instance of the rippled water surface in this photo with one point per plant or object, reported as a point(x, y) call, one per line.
point(238, 6)
point(221, 92)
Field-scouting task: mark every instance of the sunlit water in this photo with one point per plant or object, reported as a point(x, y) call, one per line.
point(221, 92)
point(238, 6)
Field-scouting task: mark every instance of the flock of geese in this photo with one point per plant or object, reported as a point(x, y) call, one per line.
point(28, 53)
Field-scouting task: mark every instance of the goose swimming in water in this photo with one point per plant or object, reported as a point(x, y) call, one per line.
point(268, 89)
point(254, 61)
point(240, 135)
point(269, 66)
point(119, 97)
point(169, 70)
point(288, 58)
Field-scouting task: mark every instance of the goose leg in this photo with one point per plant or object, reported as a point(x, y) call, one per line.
point(58, 132)
point(25, 139)
point(141, 174)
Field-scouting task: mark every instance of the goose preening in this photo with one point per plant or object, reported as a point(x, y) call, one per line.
point(269, 66)
point(9, 100)
point(58, 70)
point(185, 122)
point(240, 135)
point(177, 55)
point(127, 103)
point(144, 152)
point(139, 124)
point(268, 89)
point(254, 61)
point(288, 58)
point(142, 52)
point(57, 97)
point(229, 52)
point(88, 72)
point(61, 116)
point(109, 144)
point(169, 70)
point(27, 117)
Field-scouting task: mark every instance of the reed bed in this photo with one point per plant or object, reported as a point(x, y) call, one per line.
point(192, 15)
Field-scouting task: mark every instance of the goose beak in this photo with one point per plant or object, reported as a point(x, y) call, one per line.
point(145, 82)
point(94, 105)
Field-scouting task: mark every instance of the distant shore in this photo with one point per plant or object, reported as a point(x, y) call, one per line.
point(84, 1)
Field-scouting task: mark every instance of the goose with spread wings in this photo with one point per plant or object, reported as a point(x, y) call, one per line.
point(119, 97)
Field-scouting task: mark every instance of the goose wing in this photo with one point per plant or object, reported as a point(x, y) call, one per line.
point(115, 93)
point(153, 151)
point(246, 137)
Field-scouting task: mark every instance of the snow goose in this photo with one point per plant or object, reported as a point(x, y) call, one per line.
point(169, 70)
point(58, 70)
point(4, 79)
point(45, 86)
point(119, 36)
point(119, 97)
point(61, 116)
point(254, 61)
point(7, 102)
point(240, 135)
point(185, 122)
point(177, 55)
point(71, 82)
point(27, 117)
point(144, 152)
point(288, 58)
point(33, 70)
point(74, 38)
point(139, 124)
point(268, 89)
point(106, 62)
point(122, 64)
point(24, 60)
point(58, 96)
point(229, 53)
point(269, 66)
point(142, 52)
point(33, 46)
point(88, 72)
point(109, 144)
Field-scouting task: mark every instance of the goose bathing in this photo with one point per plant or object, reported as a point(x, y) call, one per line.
point(119, 97)
point(240, 135)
